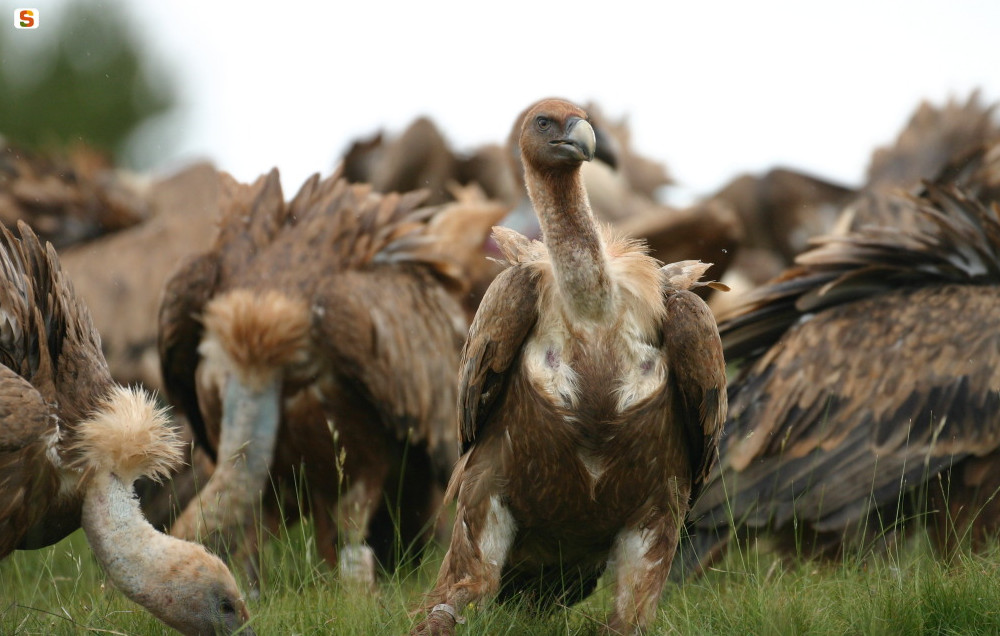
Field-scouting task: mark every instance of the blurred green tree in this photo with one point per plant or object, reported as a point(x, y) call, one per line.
point(80, 77)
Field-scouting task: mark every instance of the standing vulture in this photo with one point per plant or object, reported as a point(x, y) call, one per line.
point(592, 391)
point(324, 334)
point(867, 393)
point(72, 442)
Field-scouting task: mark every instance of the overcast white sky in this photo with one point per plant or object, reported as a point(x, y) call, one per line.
point(709, 88)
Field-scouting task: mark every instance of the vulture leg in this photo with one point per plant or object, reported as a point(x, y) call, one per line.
point(471, 568)
point(363, 465)
point(357, 506)
point(640, 561)
point(405, 522)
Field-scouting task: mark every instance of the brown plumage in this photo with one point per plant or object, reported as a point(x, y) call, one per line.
point(708, 231)
point(592, 390)
point(420, 158)
point(67, 198)
point(324, 334)
point(868, 384)
point(72, 443)
point(783, 210)
point(121, 275)
point(934, 138)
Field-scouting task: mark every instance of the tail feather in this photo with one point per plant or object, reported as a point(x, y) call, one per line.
point(128, 435)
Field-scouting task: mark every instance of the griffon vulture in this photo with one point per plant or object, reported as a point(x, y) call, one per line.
point(322, 333)
point(622, 188)
point(867, 393)
point(67, 198)
point(592, 391)
point(72, 442)
point(783, 210)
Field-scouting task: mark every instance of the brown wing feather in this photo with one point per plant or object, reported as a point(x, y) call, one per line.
point(53, 371)
point(869, 377)
point(28, 481)
point(179, 334)
point(933, 136)
point(393, 358)
point(506, 316)
point(58, 349)
point(697, 377)
point(808, 438)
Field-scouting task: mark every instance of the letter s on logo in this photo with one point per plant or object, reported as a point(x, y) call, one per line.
point(27, 18)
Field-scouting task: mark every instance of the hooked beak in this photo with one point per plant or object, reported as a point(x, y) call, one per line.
point(580, 141)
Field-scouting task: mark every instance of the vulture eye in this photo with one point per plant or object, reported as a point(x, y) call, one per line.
point(542, 123)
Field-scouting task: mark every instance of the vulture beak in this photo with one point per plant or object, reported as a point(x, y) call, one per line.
point(580, 141)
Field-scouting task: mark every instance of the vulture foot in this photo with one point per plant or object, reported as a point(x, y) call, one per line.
point(357, 566)
point(439, 622)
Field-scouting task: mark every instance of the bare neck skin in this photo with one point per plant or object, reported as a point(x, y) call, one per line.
point(573, 241)
point(129, 549)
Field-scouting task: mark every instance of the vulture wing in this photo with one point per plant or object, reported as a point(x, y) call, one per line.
point(697, 372)
point(52, 370)
point(403, 317)
point(28, 480)
point(184, 298)
point(869, 369)
point(506, 316)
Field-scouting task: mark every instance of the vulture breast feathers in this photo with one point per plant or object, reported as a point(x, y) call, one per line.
point(320, 332)
point(865, 371)
point(591, 395)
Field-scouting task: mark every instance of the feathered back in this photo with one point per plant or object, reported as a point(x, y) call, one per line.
point(355, 226)
point(128, 435)
point(250, 218)
point(42, 316)
point(19, 343)
point(957, 242)
point(933, 137)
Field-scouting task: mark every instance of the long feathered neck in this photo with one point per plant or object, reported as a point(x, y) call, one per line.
point(573, 241)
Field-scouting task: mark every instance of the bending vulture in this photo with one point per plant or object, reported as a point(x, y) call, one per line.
point(72, 443)
point(322, 333)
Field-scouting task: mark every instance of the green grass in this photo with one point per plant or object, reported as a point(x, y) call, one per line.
point(61, 590)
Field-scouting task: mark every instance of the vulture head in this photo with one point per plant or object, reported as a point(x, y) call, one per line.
point(556, 136)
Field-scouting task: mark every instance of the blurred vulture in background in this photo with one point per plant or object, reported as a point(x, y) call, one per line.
point(866, 397)
point(118, 236)
point(934, 140)
point(783, 210)
point(322, 333)
point(67, 198)
point(121, 275)
point(623, 185)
